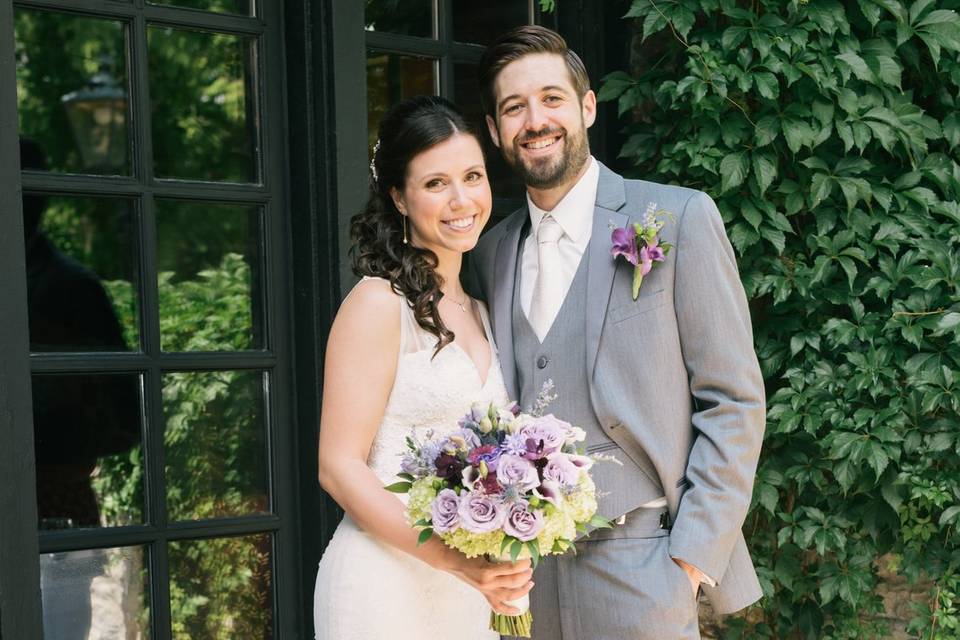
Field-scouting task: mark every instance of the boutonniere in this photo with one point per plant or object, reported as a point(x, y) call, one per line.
point(639, 243)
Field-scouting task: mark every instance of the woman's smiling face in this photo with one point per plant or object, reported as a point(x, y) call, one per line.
point(446, 196)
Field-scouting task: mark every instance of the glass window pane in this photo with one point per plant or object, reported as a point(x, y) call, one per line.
point(409, 17)
point(209, 276)
point(482, 22)
point(221, 588)
point(82, 284)
point(100, 594)
point(466, 94)
point(72, 98)
point(391, 78)
point(88, 450)
point(203, 104)
point(215, 443)
point(241, 7)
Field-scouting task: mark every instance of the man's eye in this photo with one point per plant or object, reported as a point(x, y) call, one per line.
point(552, 99)
point(514, 108)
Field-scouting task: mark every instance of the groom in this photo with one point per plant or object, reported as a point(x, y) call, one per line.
point(667, 383)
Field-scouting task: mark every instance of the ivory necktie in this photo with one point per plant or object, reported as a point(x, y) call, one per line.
point(548, 288)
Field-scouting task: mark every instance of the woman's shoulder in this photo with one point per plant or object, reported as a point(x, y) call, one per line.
point(372, 304)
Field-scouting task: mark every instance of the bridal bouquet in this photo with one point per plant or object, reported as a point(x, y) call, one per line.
point(505, 484)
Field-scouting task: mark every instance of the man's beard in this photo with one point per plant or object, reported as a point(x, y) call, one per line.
point(547, 173)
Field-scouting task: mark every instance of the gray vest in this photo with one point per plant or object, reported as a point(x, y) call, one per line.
point(562, 358)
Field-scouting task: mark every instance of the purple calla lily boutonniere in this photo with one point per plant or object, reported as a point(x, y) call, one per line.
point(639, 243)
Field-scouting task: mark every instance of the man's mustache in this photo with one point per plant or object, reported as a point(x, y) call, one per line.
point(548, 131)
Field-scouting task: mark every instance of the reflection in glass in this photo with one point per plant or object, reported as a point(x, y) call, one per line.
point(481, 22)
point(88, 452)
point(100, 594)
point(81, 269)
point(466, 94)
point(215, 444)
point(72, 98)
point(391, 78)
point(208, 258)
point(221, 588)
point(409, 17)
point(203, 104)
point(241, 7)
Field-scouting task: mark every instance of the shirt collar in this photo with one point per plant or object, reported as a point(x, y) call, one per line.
point(574, 213)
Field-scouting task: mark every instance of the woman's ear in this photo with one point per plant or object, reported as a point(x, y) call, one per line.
point(398, 202)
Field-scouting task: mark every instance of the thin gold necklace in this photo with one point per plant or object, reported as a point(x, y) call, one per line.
point(459, 304)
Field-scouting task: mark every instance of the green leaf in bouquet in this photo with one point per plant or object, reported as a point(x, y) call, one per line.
point(507, 540)
point(424, 536)
point(406, 476)
point(515, 550)
point(534, 547)
point(599, 522)
point(399, 487)
point(422, 522)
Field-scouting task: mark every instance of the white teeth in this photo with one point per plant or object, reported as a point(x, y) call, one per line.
point(541, 144)
point(461, 223)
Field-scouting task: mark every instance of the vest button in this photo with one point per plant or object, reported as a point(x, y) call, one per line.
point(542, 362)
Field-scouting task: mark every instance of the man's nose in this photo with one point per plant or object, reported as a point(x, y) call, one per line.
point(536, 118)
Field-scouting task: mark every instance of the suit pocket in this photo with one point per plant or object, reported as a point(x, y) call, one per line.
point(642, 304)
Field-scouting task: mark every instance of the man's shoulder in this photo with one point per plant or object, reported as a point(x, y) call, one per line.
point(491, 238)
point(671, 197)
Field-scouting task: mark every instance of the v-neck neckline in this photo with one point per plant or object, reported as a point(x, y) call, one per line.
point(487, 332)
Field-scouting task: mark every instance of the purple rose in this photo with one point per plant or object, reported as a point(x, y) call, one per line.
point(544, 436)
point(480, 513)
point(522, 523)
point(444, 511)
point(561, 469)
point(625, 244)
point(518, 472)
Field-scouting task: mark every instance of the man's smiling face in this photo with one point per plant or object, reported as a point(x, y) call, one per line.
point(541, 124)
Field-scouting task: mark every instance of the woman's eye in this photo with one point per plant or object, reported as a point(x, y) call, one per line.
point(435, 184)
point(474, 176)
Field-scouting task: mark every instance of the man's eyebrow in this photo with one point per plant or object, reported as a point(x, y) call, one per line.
point(549, 87)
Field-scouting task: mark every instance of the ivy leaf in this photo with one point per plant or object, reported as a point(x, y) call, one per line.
point(766, 130)
point(767, 85)
point(858, 65)
point(614, 84)
point(765, 171)
point(733, 169)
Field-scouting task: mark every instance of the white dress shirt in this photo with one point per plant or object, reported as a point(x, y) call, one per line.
point(574, 213)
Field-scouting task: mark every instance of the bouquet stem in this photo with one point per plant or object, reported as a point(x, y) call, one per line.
point(520, 625)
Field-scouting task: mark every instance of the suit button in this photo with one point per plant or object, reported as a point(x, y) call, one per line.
point(542, 362)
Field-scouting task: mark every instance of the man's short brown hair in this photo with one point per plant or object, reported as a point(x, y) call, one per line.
point(517, 43)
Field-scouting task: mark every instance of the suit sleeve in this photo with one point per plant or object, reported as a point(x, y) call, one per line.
point(727, 389)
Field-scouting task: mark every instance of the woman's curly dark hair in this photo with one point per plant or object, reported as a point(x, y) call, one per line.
point(408, 129)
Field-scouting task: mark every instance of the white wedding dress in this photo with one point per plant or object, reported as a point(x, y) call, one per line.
point(367, 590)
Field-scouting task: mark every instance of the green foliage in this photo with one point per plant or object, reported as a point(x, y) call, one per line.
point(214, 447)
point(828, 134)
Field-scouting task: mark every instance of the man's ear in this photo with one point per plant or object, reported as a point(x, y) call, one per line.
point(398, 202)
point(494, 131)
point(589, 108)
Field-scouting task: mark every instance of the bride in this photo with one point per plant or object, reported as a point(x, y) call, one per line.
point(408, 351)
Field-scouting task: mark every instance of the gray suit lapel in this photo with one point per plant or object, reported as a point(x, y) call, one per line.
point(504, 277)
point(611, 196)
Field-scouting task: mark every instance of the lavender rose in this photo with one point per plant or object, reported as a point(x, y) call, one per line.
point(518, 472)
point(522, 523)
point(479, 513)
point(545, 435)
point(561, 469)
point(444, 511)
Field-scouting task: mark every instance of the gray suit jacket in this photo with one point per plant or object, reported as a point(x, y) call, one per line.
point(674, 379)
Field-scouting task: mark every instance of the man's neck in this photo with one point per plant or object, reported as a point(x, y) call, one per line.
point(547, 199)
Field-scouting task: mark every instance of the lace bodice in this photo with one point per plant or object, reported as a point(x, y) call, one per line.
point(430, 393)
